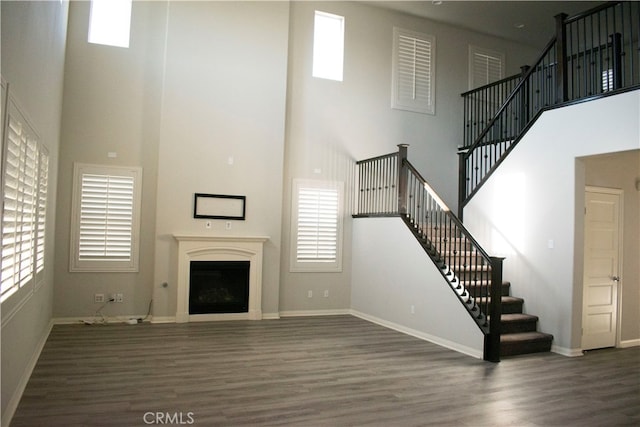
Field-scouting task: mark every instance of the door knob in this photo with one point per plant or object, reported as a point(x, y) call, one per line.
point(615, 278)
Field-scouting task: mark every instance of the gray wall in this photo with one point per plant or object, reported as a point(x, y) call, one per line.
point(204, 82)
point(518, 221)
point(332, 124)
point(112, 99)
point(33, 49)
point(224, 96)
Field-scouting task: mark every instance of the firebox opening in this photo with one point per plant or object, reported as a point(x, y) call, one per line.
point(219, 287)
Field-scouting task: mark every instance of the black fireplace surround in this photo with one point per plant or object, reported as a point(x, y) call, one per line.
point(219, 287)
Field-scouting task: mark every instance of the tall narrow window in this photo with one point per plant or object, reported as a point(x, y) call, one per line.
point(23, 217)
point(413, 71)
point(105, 218)
point(485, 66)
point(110, 22)
point(316, 226)
point(328, 46)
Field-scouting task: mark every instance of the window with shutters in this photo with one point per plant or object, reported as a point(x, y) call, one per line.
point(110, 22)
point(25, 176)
point(328, 46)
point(105, 218)
point(413, 72)
point(485, 66)
point(316, 235)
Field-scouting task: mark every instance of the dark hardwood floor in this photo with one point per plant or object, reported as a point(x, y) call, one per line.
point(317, 371)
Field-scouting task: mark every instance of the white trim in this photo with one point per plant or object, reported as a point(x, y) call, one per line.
point(569, 352)
point(270, 316)
point(163, 319)
point(629, 343)
point(309, 313)
point(620, 193)
point(111, 320)
point(220, 248)
point(421, 335)
point(11, 407)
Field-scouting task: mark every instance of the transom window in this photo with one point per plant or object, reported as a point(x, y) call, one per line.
point(328, 46)
point(110, 22)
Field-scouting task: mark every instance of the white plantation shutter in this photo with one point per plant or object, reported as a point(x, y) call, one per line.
point(317, 226)
point(41, 216)
point(22, 200)
point(105, 219)
point(413, 71)
point(486, 66)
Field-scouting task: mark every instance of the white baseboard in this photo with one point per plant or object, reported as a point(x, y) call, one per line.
point(163, 319)
point(564, 351)
point(630, 343)
point(270, 316)
point(306, 313)
point(19, 390)
point(478, 354)
point(92, 320)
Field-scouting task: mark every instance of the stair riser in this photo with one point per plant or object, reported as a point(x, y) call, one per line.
point(511, 307)
point(517, 327)
point(516, 348)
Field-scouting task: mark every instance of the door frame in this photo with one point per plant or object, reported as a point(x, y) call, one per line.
point(620, 193)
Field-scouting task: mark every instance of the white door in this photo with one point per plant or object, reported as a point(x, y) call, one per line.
point(602, 237)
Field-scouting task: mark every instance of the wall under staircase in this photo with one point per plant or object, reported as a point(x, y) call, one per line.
point(531, 211)
point(391, 273)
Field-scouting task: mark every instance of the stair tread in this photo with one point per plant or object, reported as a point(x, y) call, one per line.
point(518, 317)
point(525, 336)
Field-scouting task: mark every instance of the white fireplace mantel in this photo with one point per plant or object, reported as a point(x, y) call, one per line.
point(219, 248)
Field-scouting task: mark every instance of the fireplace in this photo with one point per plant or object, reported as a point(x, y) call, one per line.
point(219, 287)
point(228, 276)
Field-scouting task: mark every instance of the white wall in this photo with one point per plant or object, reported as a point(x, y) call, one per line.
point(332, 124)
point(33, 47)
point(224, 97)
point(391, 273)
point(537, 196)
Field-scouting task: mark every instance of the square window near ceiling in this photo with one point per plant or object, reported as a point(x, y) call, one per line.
point(316, 226)
point(328, 46)
point(485, 66)
point(413, 71)
point(110, 22)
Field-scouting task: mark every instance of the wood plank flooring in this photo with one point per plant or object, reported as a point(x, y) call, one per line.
point(317, 371)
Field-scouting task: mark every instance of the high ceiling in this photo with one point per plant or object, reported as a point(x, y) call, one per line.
point(498, 18)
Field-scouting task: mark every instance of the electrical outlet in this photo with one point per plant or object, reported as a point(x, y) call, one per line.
point(326, 293)
point(207, 224)
point(112, 297)
point(310, 294)
point(227, 225)
point(413, 309)
point(119, 298)
point(98, 298)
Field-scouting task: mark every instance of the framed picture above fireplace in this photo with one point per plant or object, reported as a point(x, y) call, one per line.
point(219, 206)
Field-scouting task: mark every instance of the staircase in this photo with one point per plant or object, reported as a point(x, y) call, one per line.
point(594, 54)
point(518, 334)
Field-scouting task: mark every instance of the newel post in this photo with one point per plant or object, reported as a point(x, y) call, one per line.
point(561, 58)
point(402, 179)
point(492, 340)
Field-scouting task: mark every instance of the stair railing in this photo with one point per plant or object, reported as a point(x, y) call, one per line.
point(593, 54)
point(474, 276)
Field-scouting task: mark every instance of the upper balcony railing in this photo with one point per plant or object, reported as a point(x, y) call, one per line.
point(594, 54)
